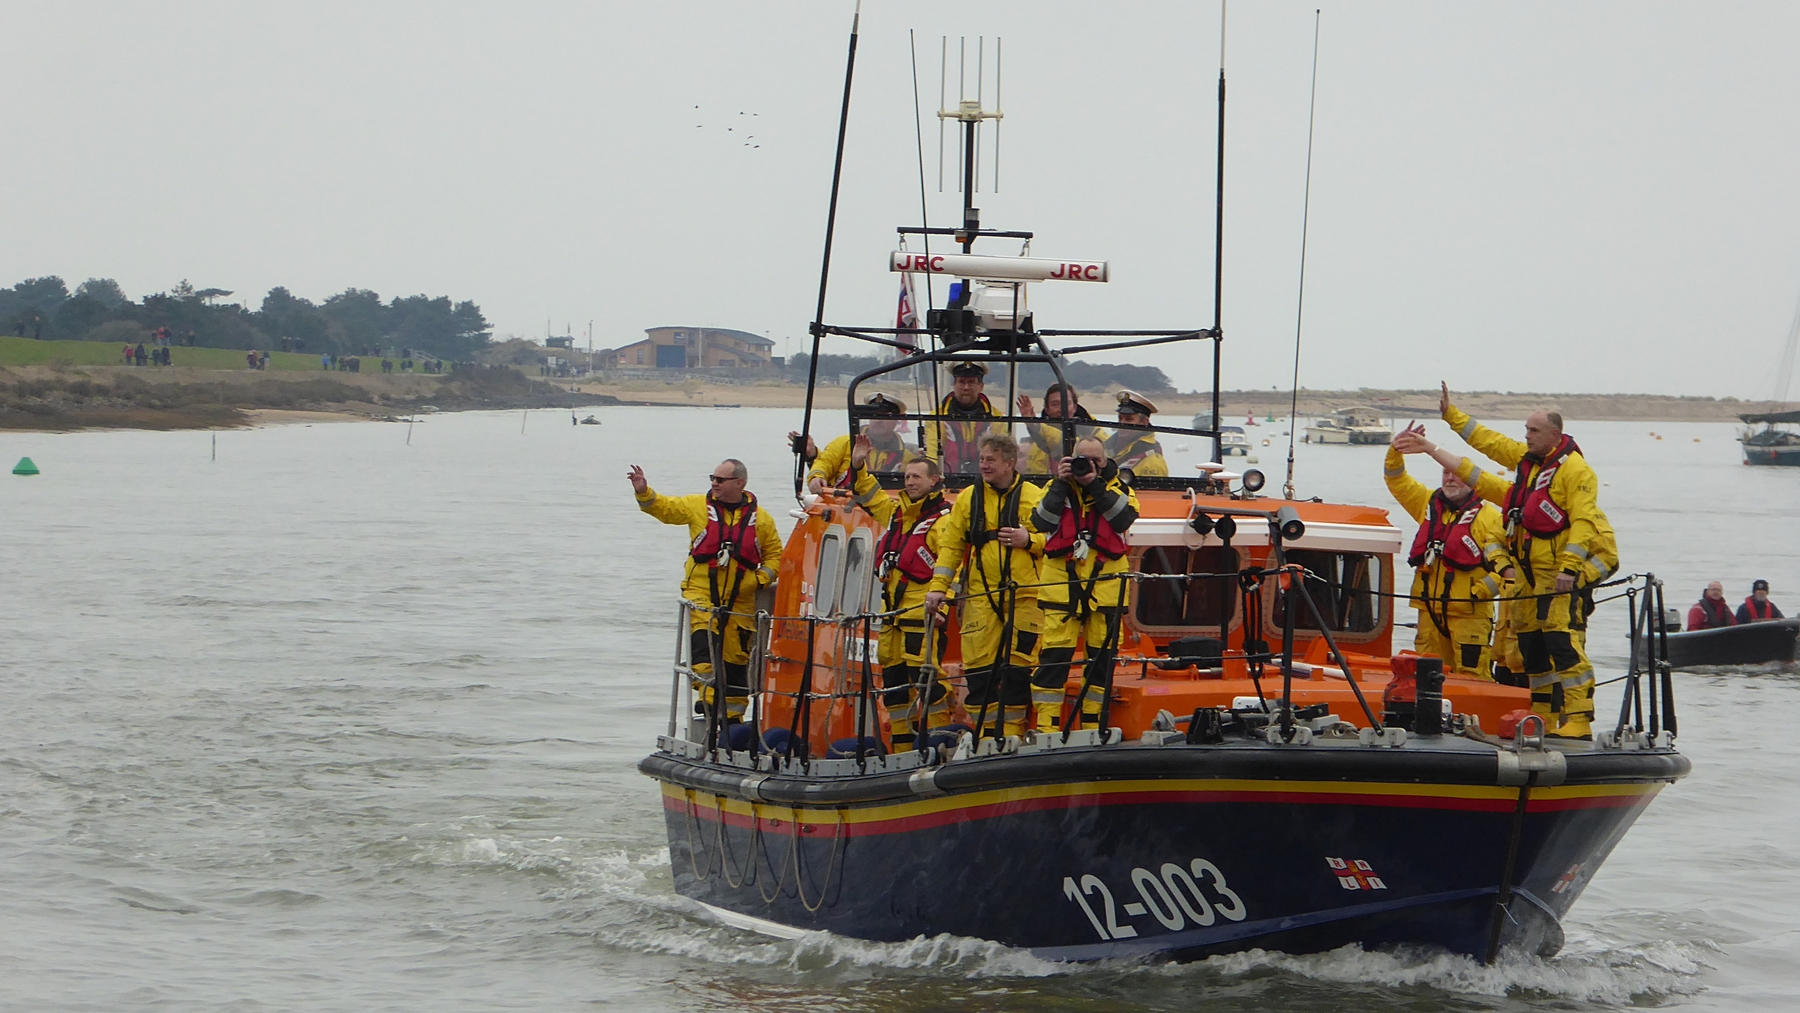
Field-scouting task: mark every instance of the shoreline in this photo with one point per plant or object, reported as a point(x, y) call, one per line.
point(67, 399)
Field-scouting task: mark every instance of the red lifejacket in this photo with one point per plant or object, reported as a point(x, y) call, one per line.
point(1529, 502)
point(1081, 525)
point(1453, 543)
point(723, 540)
point(1718, 614)
point(961, 454)
point(1759, 611)
point(905, 549)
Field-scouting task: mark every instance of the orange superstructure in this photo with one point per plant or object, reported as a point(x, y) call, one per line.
point(1348, 551)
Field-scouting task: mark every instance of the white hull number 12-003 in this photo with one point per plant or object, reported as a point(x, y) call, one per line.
point(1174, 896)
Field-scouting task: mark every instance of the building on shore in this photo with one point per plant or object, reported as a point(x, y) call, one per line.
point(691, 348)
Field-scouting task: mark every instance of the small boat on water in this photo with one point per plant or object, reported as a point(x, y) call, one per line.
point(1232, 439)
point(1744, 644)
point(1267, 770)
point(1771, 445)
point(1355, 426)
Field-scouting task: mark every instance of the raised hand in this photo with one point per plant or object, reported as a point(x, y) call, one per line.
point(1025, 406)
point(860, 449)
point(1443, 398)
point(638, 483)
point(1411, 440)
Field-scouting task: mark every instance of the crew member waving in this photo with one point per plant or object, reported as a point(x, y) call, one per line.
point(734, 550)
point(887, 451)
point(1555, 533)
point(1458, 558)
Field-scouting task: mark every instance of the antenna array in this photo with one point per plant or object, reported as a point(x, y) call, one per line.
point(969, 111)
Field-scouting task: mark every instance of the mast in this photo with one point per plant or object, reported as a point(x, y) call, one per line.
point(1218, 335)
point(818, 321)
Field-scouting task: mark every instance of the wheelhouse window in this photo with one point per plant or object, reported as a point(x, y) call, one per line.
point(829, 580)
point(1342, 585)
point(857, 555)
point(1184, 603)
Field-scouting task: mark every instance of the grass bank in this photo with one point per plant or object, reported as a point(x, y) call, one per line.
point(16, 351)
point(61, 397)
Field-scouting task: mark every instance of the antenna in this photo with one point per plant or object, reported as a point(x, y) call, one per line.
point(1305, 220)
point(997, 108)
point(1218, 334)
point(818, 324)
point(943, 67)
point(971, 114)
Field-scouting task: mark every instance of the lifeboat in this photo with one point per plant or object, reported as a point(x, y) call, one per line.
point(1267, 770)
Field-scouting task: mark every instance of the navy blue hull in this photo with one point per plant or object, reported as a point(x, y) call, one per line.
point(1183, 872)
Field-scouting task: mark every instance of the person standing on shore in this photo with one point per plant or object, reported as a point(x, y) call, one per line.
point(734, 551)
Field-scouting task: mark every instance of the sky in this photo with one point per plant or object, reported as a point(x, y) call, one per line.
point(1564, 197)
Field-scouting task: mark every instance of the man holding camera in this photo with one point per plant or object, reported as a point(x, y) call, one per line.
point(1085, 513)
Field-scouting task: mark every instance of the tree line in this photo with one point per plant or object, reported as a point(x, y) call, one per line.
point(353, 322)
point(1033, 377)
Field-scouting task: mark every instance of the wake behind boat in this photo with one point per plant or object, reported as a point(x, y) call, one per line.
point(1264, 770)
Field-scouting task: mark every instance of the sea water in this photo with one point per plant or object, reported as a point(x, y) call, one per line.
point(339, 722)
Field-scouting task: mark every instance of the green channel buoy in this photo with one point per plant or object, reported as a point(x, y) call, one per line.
point(25, 467)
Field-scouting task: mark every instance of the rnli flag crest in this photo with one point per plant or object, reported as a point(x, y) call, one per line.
point(1355, 874)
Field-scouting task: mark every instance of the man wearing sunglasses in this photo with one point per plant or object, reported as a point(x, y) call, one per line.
point(734, 550)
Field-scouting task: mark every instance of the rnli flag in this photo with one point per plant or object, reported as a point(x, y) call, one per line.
point(907, 314)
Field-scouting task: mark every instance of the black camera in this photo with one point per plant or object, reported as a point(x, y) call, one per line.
point(1081, 465)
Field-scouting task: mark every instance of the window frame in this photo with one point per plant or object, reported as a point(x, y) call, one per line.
point(1206, 629)
point(829, 579)
point(1380, 589)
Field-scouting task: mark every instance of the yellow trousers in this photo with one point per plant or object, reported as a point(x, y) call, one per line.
point(998, 667)
point(1509, 666)
point(1552, 643)
point(1064, 632)
point(734, 641)
point(1464, 648)
point(902, 655)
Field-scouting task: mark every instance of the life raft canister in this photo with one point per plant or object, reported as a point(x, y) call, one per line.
point(1080, 526)
point(1454, 544)
point(905, 549)
point(1530, 504)
point(721, 541)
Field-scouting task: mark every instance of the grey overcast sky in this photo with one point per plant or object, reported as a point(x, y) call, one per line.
point(1516, 196)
